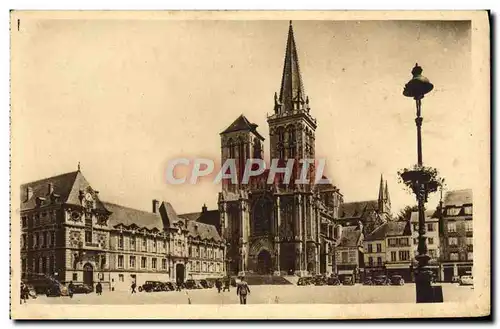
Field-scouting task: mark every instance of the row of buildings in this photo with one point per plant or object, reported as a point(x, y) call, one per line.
point(391, 247)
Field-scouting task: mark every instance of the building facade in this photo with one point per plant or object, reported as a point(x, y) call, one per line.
point(349, 252)
point(457, 257)
point(70, 234)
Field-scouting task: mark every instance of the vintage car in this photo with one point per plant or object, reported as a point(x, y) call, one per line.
point(204, 283)
point(191, 284)
point(82, 288)
point(397, 280)
point(466, 280)
point(150, 286)
point(170, 286)
point(348, 280)
point(333, 281)
point(57, 290)
point(320, 280)
point(380, 280)
point(368, 281)
point(40, 282)
point(304, 281)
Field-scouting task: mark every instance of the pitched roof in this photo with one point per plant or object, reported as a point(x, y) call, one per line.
point(202, 231)
point(128, 216)
point(67, 186)
point(357, 209)
point(390, 228)
point(242, 123)
point(458, 197)
point(430, 216)
point(350, 236)
point(210, 217)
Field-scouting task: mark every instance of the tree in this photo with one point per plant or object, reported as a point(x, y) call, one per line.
point(405, 213)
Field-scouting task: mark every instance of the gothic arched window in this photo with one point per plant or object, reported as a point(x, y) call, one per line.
point(262, 213)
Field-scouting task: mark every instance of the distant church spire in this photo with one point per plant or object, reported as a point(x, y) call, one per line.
point(78, 165)
point(386, 192)
point(292, 95)
point(381, 192)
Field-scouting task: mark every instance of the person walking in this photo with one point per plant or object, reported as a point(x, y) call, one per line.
point(133, 287)
point(227, 284)
point(24, 293)
point(243, 290)
point(71, 289)
point(98, 288)
point(218, 285)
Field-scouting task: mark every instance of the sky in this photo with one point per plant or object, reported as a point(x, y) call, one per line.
point(123, 97)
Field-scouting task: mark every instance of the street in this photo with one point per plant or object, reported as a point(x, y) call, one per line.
point(268, 294)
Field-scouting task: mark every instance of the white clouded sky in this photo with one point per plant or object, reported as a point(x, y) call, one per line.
point(123, 97)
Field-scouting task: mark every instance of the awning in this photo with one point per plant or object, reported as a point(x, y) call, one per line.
point(344, 272)
point(400, 266)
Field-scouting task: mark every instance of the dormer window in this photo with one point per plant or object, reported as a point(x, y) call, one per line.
point(453, 211)
point(468, 210)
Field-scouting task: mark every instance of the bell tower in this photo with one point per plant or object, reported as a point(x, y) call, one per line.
point(291, 126)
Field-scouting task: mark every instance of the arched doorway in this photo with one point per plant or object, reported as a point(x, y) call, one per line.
point(264, 263)
point(179, 272)
point(88, 274)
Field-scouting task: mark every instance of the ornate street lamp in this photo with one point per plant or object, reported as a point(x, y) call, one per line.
point(422, 181)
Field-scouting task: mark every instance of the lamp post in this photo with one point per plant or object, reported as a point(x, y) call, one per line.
point(417, 88)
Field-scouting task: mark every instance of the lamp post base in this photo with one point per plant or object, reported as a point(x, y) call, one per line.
point(426, 293)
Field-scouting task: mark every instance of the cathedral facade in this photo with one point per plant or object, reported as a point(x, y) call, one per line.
point(280, 228)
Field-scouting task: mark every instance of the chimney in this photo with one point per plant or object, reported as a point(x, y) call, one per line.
point(156, 205)
point(204, 208)
point(51, 189)
point(29, 193)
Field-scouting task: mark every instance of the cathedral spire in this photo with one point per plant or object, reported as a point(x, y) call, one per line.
point(386, 192)
point(381, 191)
point(292, 95)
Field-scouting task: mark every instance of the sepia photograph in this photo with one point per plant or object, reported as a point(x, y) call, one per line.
point(250, 165)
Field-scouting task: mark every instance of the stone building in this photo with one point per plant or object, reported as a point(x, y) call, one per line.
point(280, 228)
point(456, 234)
point(349, 252)
point(69, 233)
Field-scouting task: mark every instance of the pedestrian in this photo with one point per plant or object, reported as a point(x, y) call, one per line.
point(218, 285)
point(133, 287)
point(98, 288)
point(227, 284)
point(24, 294)
point(71, 289)
point(179, 285)
point(243, 290)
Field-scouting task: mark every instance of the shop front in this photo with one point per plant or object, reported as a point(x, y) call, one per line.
point(403, 269)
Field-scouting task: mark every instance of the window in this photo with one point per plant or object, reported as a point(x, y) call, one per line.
point(379, 261)
point(131, 262)
point(153, 263)
point(197, 266)
point(452, 227)
point(24, 222)
point(48, 237)
point(190, 251)
point(144, 244)
point(470, 256)
point(132, 243)
point(430, 227)
point(41, 239)
point(23, 241)
point(430, 240)
point(120, 241)
point(120, 261)
point(160, 245)
point(415, 227)
point(453, 256)
point(404, 255)
point(468, 226)
point(35, 239)
point(121, 278)
point(393, 256)
point(144, 262)
point(452, 241)
point(468, 210)
point(75, 276)
point(370, 247)
point(470, 241)
point(453, 211)
point(370, 261)
point(432, 253)
point(154, 245)
point(345, 257)
point(379, 247)
point(164, 264)
point(88, 236)
point(415, 241)
point(53, 240)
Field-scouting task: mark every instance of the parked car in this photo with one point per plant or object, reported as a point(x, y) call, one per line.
point(191, 284)
point(57, 290)
point(455, 279)
point(40, 282)
point(368, 281)
point(233, 282)
point(397, 280)
point(380, 280)
point(150, 286)
point(304, 281)
point(204, 283)
point(333, 281)
point(170, 286)
point(348, 280)
point(466, 280)
point(320, 280)
point(82, 288)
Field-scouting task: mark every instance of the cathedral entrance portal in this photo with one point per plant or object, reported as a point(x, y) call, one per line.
point(264, 262)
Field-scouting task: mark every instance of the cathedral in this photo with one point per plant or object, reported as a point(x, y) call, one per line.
point(285, 228)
